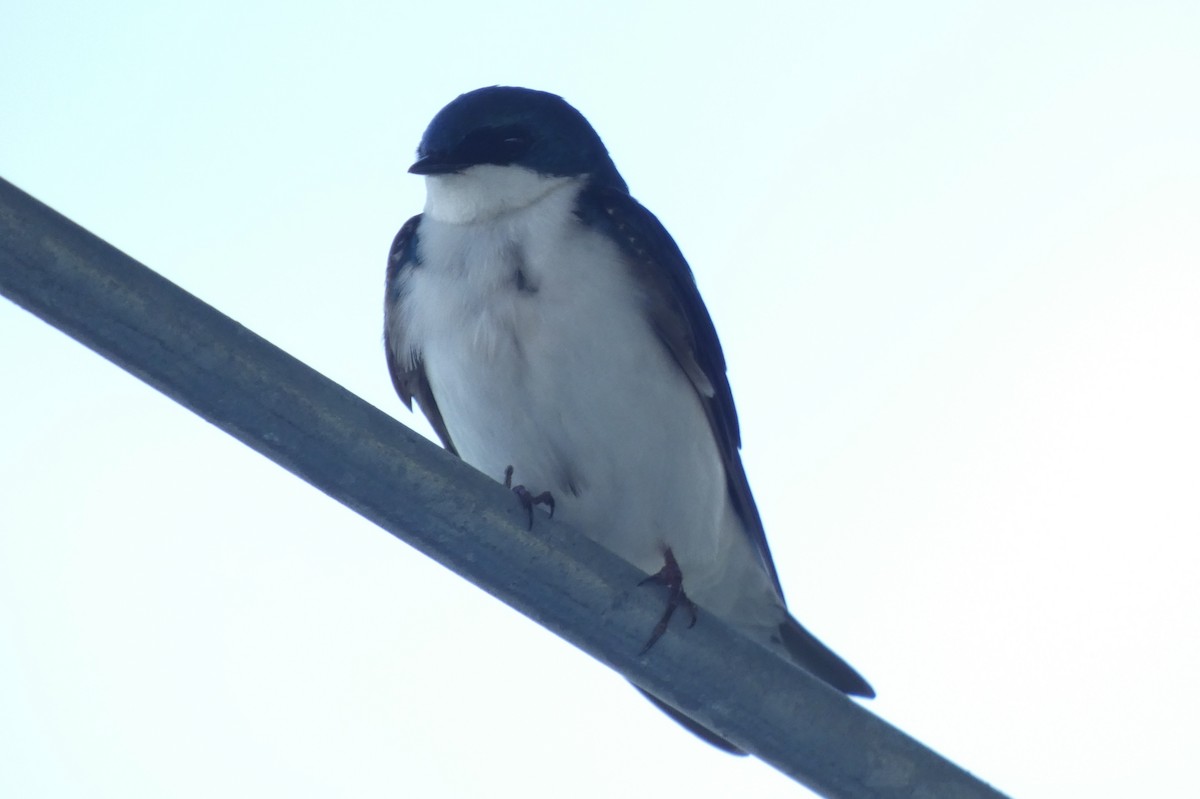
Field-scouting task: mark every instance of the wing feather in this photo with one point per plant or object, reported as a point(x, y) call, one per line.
point(682, 322)
point(404, 362)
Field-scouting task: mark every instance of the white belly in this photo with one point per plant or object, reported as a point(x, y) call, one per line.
point(559, 375)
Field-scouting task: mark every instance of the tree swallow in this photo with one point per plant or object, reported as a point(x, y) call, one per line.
point(552, 332)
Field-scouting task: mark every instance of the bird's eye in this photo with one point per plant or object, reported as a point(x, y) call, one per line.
point(515, 145)
point(495, 145)
point(511, 144)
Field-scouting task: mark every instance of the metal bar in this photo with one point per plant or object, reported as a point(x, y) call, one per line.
point(463, 519)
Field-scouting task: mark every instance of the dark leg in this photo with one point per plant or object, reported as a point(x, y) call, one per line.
point(528, 500)
point(670, 576)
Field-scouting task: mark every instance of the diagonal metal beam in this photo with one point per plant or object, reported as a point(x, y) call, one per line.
point(466, 521)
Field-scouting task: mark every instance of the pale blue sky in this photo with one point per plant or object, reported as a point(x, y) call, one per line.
point(954, 258)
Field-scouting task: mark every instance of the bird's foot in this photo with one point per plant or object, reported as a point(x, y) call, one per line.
point(527, 499)
point(670, 576)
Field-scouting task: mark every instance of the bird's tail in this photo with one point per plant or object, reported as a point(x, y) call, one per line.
point(820, 661)
point(693, 726)
point(806, 652)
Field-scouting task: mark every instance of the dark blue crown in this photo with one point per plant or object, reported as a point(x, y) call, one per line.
point(508, 125)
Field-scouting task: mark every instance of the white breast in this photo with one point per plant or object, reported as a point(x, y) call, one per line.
point(533, 336)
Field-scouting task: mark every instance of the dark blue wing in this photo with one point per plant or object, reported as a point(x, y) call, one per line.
point(682, 322)
point(408, 373)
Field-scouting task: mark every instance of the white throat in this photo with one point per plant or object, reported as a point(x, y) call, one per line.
point(486, 191)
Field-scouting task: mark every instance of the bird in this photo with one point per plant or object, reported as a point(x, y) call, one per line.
point(551, 331)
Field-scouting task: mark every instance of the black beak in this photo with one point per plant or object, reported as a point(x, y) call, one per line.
point(435, 165)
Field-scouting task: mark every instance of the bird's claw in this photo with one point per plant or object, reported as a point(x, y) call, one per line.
point(670, 576)
point(527, 499)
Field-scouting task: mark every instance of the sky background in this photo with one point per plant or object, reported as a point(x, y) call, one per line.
point(953, 253)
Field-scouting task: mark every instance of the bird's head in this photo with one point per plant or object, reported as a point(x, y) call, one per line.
point(503, 147)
